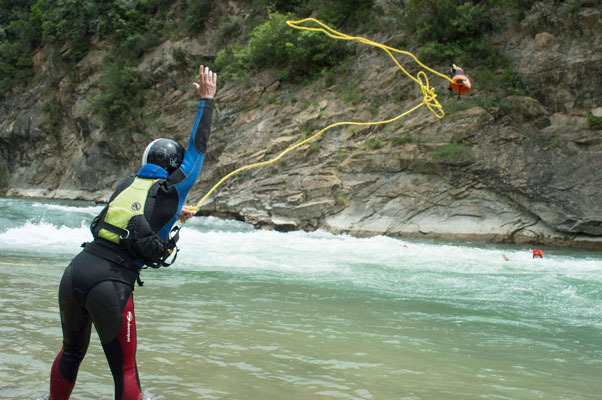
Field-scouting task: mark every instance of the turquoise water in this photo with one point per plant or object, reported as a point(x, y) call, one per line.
point(251, 314)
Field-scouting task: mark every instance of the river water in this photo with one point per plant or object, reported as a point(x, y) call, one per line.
point(251, 314)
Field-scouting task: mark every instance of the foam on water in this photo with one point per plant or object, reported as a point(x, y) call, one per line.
point(44, 237)
point(447, 273)
point(59, 208)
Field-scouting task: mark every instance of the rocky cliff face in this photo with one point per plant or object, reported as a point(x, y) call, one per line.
point(524, 170)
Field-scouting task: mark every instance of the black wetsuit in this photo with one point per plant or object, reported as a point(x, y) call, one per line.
point(97, 287)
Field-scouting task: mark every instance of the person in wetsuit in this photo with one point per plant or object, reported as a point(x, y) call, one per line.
point(97, 286)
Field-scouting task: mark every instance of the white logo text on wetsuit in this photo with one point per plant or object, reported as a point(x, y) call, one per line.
point(129, 317)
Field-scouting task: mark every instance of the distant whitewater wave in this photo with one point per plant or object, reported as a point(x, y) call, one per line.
point(92, 210)
point(236, 244)
point(45, 237)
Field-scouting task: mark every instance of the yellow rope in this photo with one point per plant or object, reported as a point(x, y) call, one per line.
point(429, 97)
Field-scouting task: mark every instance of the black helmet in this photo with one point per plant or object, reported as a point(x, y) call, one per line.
point(165, 153)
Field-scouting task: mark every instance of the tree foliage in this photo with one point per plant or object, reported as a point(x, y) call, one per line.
point(335, 12)
point(451, 30)
point(119, 98)
point(458, 31)
point(130, 26)
point(275, 44)
point(444, 31)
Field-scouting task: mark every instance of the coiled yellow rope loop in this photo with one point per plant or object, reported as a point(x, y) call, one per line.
point(429, 97)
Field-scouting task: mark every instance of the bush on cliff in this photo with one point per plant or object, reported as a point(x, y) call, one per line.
point(18, 38)
point(451, 31)
point(335, 12)
point(119, 99)
point(275, 44)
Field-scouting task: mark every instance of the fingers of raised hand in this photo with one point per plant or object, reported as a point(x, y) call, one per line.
point(206, 75)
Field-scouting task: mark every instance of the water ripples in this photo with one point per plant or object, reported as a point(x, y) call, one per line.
point(257, 314)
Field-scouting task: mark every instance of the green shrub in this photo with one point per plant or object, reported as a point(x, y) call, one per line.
point(78, 50)
point(119, 100)
point(16, 65)
point(3, 177)
point(14, 10)
point(271, 99)
point(331, 12)
point(400, 140)
point(228, 29)
point(512, 83)
point(54, 109)
point(65, 19)
point(131, 30)
point(25, 24)
point(449, 152)
point(440, 52)
point(375, 105)
point(349, 93)
point(196, 14)
point(446, 21)
point(282, 6)
point(341, 199)
point(518, 7)
point(230, 62)
point(17, 39)
point(373, 144)
point(454, 104)
point(306, 129)
point(458, 31)
point(594, 122)
point(452, 31)
point(275, 44)
point(342, 154)
point(337, 12)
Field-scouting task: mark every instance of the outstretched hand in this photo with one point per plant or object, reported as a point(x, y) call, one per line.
point(186, 214)
point(207, 83)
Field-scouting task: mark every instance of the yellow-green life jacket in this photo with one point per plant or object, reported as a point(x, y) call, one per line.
point(129, 203)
